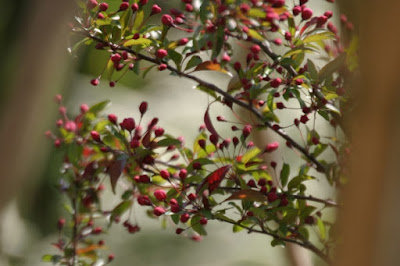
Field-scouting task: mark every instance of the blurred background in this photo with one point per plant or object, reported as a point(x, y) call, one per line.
point(36, 66)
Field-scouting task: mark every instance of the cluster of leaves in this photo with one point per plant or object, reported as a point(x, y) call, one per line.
point(193, 185)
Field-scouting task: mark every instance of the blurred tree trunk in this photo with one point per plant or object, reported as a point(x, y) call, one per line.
point(37, 64)
point(369, 221)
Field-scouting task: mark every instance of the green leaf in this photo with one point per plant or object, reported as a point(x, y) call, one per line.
point(175, 218)
point(256, 12)
point(254, 34)
point(331, 67)
point(120, 209)
point(319, 37)
point(194, 61)
point(237, 228)
point(276, 242)
point(321, 228)
point(138, 19)
point(98, 107)
point(285, 172)
point(167, 142)
point(141, 41)
point(296, 181)
point(196, 226)
point(47, 258)
point(250, 154)
point(320, 148)
point(176, 57)
point(207, 90)
point(312, 70)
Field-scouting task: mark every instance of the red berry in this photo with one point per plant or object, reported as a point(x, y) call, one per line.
point(272, 147)
point(304, 119)
point(255, 49)
point(246, 131)
point(161, 53)
point(128, 124)
point(328, 14)
point(167, 20)
point(306, 13)
point(112, 118)
point(103, 6)
point(203, 221)
point(296, 10)
point(158, 211)
point(164, 174)
point(160, 195)
point(179, 231)
point(112, 83)
point(155, 9)
point(84, 108)
point(92, 4)
point(315, 140)
point(100, 16)
point(143, 2)
point(184, 217)
point(144, 200)
point(183, 41)
point(97, 230)
point(144, 179)
point(162, 67)
point(159, 132)
point(288, 36)
point(183, 173)
point(188, 7)
point(192, 196)
point(111, 257)
point(262, 182)
point(272, 196)
point(95, 82)
point(278, 41)
point(124, 6)
point(299, 82)
point(135, 7)
point(95, 136)
point(280, 105)
point(143, 107)
point(251, 183)
point(275, 83)
point(244, 8)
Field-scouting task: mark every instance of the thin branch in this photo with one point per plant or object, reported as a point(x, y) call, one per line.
point(249, 107)
point(304, 244)
point(328, 203)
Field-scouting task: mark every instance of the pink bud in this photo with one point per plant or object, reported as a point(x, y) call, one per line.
point(161, 53)
point(160, 195)
point(143, 107)
point(155, 9)
point(95, 136)
point(167, 20)
point(272, 147)
point(84, 108)
point(112, 118)
point(158, 211)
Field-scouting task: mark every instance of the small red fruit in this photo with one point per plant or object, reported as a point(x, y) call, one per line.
point(112, 118)
point(161, 53)
point(203, 221)
point(95, 136)
point(158, 211)
point(124, 6)
point(155, 9)
point(160, 195)
point(306, 13)
point(164, 174)
point(272, 147)
point(167, 20)
point(184, 217)
point(95, 82)
point(103, 6)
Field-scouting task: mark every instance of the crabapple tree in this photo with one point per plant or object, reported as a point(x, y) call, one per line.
point(205, 181)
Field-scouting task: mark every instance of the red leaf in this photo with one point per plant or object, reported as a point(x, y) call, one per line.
point(146, 139)
point(215, 178)
point(115, 169)
point(209, 125)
